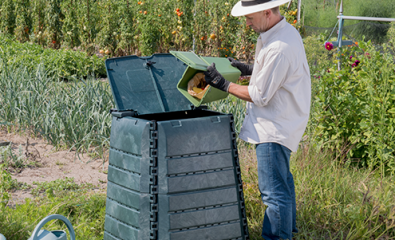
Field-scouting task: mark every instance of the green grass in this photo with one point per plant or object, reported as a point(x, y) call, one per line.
point(84, 210)
point(334, 201)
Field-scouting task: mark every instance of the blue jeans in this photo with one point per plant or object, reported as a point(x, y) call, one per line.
point(277, 189)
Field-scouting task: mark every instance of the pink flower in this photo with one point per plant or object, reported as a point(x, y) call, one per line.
point(355, 63)
point(350, 57)
point(328, 46)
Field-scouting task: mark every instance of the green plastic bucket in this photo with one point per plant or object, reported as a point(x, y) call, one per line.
point(198, 64)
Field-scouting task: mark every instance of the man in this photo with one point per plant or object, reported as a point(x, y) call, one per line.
point(278, 106)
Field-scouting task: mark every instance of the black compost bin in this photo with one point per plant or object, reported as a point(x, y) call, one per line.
point(174, 171)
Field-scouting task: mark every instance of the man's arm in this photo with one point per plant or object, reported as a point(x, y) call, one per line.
point(240, 91)
point(215, 79)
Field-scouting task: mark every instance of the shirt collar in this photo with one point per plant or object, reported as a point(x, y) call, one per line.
point(266, 35)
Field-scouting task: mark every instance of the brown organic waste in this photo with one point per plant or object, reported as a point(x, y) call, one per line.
point(197, 86)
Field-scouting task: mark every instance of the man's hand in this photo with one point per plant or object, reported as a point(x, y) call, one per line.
point(245, 69)
point(215, 79)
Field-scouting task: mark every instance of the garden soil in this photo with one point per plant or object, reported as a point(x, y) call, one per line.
point(49, 164)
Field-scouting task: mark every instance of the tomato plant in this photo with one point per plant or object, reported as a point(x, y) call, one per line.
point(7, 17)
point(53, 22)
point(123, 27)
point(38, 22)
point(70, 24)
point(108, 36)
point(127, 27)
point(23, 20)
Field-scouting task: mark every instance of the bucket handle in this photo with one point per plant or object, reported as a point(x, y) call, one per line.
point(52, 217)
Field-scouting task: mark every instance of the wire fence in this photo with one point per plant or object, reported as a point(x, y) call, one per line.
point(377, 32)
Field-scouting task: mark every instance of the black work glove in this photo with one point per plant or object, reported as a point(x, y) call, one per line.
point(215, 79)
point(245, 69)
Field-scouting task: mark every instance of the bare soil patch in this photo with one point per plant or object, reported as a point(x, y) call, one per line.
point(49, 164)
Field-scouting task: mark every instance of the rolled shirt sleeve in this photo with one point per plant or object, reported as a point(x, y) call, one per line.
point(269, 79)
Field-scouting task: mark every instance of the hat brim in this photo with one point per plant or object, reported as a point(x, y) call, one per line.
point(238, 10)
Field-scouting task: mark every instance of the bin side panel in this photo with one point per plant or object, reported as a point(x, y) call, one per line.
point(119, 229)
point(124, 178)
point(199, 163)
point(198, 135)
point(202, 199)
point(122, 213)
point(124, 160)
point(201, 181)
point(126, 134)
point(123, 195)
point(109, 236)
point(204, 217)
point(144, 218)
point(226, 231)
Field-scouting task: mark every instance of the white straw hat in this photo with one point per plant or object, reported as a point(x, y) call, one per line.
point(245, 7)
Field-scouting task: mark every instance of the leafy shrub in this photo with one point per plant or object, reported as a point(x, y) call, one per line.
point(355, 111)
point(64, 64)
point(317, 56)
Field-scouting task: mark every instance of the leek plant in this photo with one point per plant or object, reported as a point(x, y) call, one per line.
point(71, 115)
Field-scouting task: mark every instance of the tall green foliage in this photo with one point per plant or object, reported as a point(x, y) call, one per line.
point(108, 36)
point(38, 22)
point(23, 20)
point(128, 28)
point(89, 16)
point(70, 24)
point(7, 17)
point(355, 112)
point(53, 21)
point(136, 27)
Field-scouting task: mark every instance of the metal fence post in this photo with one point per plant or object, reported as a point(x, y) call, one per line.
point(340, 34)
point(299, 7)
point(194, 15)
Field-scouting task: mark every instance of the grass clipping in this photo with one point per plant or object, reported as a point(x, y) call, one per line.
point(197, 86)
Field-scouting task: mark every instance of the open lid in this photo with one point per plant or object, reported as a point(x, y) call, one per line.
point(147, 84)
point(191, 59)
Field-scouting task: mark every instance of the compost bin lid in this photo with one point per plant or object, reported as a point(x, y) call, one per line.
point(191, 59)
point(147, 84)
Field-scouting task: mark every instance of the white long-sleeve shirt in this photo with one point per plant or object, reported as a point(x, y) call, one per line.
point(280, 88)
